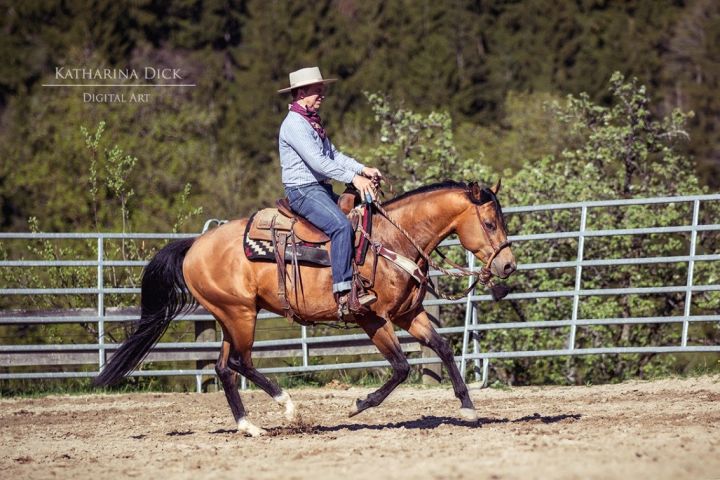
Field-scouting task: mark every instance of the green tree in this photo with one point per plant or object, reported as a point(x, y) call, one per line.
point(110, 171)
point(415, 148)
point(616, 151)
point(691, 77)
point(517, 140)
point(605, 152)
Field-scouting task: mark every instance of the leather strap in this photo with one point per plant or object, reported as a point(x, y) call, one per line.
point(401, 261)
point(279, 242)
point(364, 243)
point(416, 271)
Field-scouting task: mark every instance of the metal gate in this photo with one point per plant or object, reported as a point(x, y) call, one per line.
point(14, 354)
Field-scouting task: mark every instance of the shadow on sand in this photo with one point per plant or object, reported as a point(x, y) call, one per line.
point(423, 423)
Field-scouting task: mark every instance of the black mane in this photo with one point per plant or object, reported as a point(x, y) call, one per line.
point(449, 184)
point(486, 195)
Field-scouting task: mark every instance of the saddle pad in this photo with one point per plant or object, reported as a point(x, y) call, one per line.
point(262, 250)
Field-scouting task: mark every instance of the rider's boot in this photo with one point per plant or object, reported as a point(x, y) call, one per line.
point(354, 303)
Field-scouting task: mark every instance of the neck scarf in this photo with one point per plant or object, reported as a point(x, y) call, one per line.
point(312, 116)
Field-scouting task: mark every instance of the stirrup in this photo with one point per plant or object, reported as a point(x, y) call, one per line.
point(367, 298)
point(349, 305)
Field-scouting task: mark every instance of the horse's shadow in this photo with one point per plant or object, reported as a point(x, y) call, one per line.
point(423, 423)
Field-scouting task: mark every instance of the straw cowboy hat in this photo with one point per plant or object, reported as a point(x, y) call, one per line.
point(305, 77)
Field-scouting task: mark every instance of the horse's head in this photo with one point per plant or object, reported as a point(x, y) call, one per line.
point(481, 230)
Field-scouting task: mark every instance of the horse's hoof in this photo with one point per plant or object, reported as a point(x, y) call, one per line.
point(291, 413)
point(469, 414)
point(244, 426)
point(355, 408)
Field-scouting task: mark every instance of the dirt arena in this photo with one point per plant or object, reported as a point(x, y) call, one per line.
point(662, 429)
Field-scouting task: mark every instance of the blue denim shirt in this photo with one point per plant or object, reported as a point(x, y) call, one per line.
point(305, 158)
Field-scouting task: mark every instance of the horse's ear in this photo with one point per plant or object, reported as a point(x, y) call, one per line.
point(496, 188)
point(475, 191)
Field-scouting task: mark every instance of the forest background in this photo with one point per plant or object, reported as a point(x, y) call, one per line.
point(490, 65)
point(566, 100)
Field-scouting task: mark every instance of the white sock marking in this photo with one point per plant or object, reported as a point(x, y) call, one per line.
point(290, 411)
point(246, 427)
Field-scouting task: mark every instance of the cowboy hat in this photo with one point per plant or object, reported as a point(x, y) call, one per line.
point(305, 77)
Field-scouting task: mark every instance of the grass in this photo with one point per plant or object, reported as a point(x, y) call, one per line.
point(83, 386)
point(694, 366)
point(690, 366)
point(498, 385)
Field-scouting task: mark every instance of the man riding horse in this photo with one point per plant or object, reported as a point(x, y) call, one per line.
point(213, 270)
point(309, 161)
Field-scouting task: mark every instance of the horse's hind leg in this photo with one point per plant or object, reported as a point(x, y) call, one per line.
point(383, 336)
point(230, 364)
point(241, 362)
point(423, 330)
point(242, 336)
point(229, 380)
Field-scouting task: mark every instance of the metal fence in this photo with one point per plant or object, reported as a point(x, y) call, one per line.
point(306, 347)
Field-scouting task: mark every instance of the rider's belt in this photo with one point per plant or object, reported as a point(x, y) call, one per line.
point(327, 181)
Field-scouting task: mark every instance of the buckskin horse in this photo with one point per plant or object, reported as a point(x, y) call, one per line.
point(216, 272)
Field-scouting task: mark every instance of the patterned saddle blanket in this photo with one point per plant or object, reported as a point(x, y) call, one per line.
point(300, 240)
point(258, 241)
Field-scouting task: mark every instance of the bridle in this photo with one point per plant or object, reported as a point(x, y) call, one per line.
point(483, 276)
point(496, 250)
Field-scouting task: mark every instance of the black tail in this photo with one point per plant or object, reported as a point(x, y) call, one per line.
point(163, 297)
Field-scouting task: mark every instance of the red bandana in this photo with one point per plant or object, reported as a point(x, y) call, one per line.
point(311, 116)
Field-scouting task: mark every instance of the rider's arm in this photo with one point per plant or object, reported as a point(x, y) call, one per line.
point(346, 161)
point(305, 141)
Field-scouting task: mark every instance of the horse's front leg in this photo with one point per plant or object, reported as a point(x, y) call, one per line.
point(423, 330)
point(383, 336)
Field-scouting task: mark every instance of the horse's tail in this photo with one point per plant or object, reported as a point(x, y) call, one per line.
point(163, 297)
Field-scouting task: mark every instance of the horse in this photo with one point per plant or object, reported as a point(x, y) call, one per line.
point(212, 270)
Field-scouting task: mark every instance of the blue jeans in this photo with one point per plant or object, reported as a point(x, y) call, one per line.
point(318, 204)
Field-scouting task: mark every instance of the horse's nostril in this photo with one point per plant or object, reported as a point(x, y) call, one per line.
point(509, 268)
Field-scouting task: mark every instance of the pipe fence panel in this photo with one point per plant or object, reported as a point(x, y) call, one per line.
point(305, 346)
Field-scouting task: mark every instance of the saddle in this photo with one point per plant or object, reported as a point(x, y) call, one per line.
point(284, 219)
point(280, 235)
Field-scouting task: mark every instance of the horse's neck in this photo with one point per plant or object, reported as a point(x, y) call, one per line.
point(428, 219)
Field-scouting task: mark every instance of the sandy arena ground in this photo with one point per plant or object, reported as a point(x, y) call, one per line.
point(662, 429)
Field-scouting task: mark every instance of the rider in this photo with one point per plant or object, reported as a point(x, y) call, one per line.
point(309, 162)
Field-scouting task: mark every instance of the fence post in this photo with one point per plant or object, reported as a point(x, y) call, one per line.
point(204, 332)
point(578, 277)
point(485, 372)
point(101, 304)
point(305, 353)
point(691, 268)
point(479, 375)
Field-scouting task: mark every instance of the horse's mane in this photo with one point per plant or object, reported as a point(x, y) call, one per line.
point(447, 184)
point(486, 195)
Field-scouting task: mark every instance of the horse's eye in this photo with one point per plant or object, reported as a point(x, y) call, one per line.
point(490, 225)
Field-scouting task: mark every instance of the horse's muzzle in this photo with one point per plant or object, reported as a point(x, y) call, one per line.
point(507, 269)
point(502, 265)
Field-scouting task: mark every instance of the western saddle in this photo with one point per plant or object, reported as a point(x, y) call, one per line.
point(295, 240)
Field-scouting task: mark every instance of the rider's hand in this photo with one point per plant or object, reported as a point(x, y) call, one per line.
point(365, 186)
point(372, 173)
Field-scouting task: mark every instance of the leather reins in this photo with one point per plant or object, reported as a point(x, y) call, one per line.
point(483, 276)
